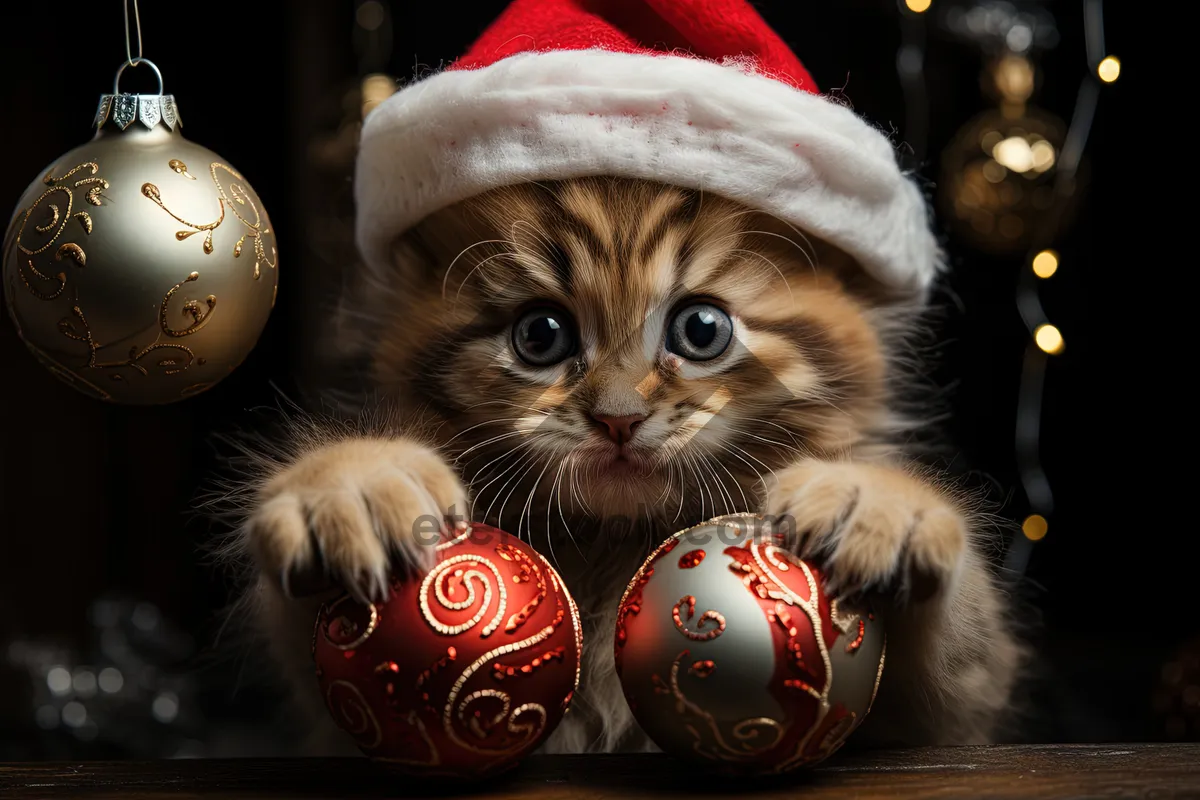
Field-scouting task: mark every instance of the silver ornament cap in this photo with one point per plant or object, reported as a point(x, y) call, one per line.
point(731, 654)
point(141, 267)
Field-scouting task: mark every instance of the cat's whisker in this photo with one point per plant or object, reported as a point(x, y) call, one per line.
point(682, 487)
point(496, 421)
point(493, 462)
point(527, 447)
point(784, 445)
point(555, 493)
point(761, 479)
point(462, 253)
point(525, 458)
point(509, 404)
point(787, 285)
point(737, 484)
point(576, 494)
point(492, 440)
point(790, 435)
point(809, 254)
point(529, 505)
point(518, 478)
point(492, 257)
point(699, 482)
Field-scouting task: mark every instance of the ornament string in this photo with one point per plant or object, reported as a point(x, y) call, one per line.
point(1045, 339)
point(137, 20)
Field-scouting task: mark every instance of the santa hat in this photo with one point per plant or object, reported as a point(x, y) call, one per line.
point(700, 94)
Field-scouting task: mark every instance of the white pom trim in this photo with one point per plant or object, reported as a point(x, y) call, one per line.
point(674, 119)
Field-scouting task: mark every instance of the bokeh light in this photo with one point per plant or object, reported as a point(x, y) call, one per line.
point(1034, 527)
point(1109, 69)
point(1045, 263)
point(1049, 338)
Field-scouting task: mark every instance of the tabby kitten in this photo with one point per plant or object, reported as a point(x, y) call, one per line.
point(557, 358)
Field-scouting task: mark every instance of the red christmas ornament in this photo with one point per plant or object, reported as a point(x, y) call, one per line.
point(731, 653)
point(463, 671)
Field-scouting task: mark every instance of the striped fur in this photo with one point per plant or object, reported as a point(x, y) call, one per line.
point(798, 418)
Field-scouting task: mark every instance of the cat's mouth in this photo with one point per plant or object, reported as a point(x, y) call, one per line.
point(624, 463)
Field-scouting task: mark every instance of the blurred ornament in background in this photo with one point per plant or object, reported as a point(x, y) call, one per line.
point(999, 26)
point(1176, 700)
point(999, 180)
point(127, 694)
point(140, 267)
point(1000, 186)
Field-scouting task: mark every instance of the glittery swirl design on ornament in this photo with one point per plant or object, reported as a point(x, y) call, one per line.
point(747, 736)
point(698, 635)
point(232, 198)
point(174, 358)
point(353, 713)
point(471, 576)
point(344, 632)
point(756, 564)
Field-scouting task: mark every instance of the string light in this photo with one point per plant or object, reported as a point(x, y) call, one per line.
point(1034, 527)
point(1109, 69)
point(1045, 263)
point(1046, 339)
point(1049, 338)
point(918, 6)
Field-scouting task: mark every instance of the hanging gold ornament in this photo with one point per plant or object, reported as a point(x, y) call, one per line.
point(140, 268)
point(1000, 181)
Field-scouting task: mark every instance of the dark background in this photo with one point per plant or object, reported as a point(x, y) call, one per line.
point(100, 549)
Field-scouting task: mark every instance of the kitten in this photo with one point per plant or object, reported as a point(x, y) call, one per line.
point(558, 356)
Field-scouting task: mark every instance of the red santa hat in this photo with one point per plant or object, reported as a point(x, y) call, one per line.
point(700, 94)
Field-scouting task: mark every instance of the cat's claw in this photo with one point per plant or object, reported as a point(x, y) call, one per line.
point(352, 514)
point(874, 528)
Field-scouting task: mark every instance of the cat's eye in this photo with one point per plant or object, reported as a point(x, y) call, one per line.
point(699, 332)
point(543, 337)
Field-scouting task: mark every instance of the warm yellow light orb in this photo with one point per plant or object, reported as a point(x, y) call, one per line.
point(1034, 527)
point(1109, 69)
point(1045, 263)
point(918, 6)
point(1049, 339)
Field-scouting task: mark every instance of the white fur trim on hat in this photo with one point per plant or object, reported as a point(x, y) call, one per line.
point(678, 120)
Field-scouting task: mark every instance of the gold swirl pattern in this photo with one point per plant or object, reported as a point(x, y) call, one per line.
point(473, 574)
point(230, 198)
point(745, 732)
point(57, 220)
point(530, 733)
point(463, 532)
point(560, 589)
point(765, 559)
point(190, 308)
point(48, 226)
point(446, 572)
point(171, 364)
point(347, 624)
point(176, 357)
point(434, 759)
point(72, 251)
point(353, 714)
point(38, 293)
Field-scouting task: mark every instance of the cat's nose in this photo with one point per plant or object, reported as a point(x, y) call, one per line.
point(619, 429)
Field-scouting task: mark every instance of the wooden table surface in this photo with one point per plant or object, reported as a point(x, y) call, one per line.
point(1049, 771)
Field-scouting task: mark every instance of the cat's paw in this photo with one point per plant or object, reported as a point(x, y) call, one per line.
point(350, 513)
point(874, 528)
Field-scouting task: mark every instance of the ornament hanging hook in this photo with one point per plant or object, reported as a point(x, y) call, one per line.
point(137, 21)
point(138, 63)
